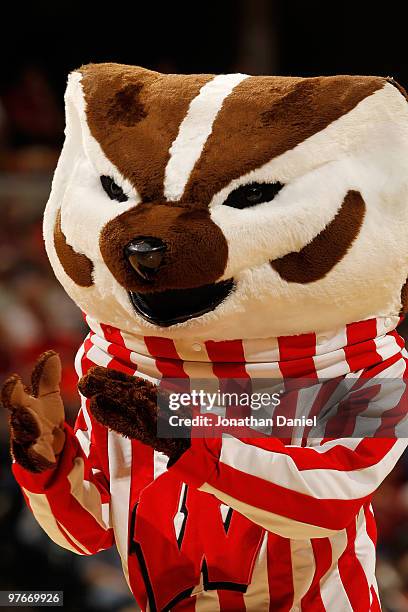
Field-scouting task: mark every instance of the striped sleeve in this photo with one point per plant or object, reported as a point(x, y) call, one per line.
point(296, 492)
point(72, 501)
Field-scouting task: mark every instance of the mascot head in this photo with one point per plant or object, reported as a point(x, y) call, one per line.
point(230, 206)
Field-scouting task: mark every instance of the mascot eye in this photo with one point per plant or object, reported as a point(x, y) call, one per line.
point(113, 190)
point(252, 194)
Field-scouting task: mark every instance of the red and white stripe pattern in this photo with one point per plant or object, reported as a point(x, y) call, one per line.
point(235, 524)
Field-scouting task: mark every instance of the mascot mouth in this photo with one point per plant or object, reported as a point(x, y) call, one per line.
point(165, 308)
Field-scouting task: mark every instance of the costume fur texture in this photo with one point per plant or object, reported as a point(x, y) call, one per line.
point(356, 142)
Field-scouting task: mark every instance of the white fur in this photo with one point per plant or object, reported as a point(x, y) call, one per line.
point(194, 131)
point(85, 209)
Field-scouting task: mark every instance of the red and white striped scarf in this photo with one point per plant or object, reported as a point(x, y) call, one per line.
point(355, 347)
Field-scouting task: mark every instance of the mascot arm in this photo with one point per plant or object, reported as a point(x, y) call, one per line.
point(64, 487)
point(296, 492)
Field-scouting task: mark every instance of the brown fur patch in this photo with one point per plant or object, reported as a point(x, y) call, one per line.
point(329, 247)
point(128, 405)
point(7, 390)
point(29, 459)
point(266, 116)
point(38, 371)
point(196, 254)
point(24, 431)
point(139, 149)
point(76, 265)
point(404, 298)
point(126, 107)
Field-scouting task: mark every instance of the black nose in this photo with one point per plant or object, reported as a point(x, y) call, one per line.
point(145, 255)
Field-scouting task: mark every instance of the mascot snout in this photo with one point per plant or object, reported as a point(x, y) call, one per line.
point(169, 258)
point(193, 250)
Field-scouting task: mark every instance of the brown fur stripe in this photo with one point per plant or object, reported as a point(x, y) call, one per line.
point(404, 298)
point(76, 265)
point(329, 247)
point(264, 117)
point(135, 115)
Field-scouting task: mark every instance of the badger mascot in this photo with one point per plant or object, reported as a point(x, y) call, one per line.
point(223, 227)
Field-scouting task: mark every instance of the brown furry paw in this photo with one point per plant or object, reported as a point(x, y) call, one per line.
point(128, 405)
point(37, 416)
